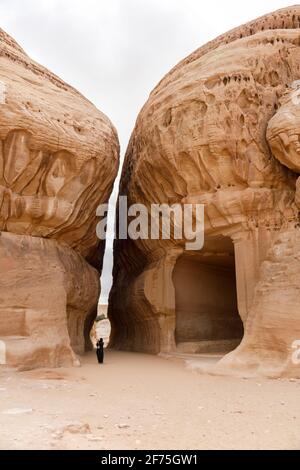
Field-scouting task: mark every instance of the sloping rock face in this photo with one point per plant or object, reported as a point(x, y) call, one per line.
point(218, 130)
point(58, 160)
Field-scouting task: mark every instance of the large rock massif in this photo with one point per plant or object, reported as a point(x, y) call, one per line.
point(222, 129)
point(58, 160)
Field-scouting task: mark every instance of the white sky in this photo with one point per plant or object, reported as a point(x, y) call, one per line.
point(115, 51)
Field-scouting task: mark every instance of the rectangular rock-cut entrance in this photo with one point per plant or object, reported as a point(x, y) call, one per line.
point(207, 318)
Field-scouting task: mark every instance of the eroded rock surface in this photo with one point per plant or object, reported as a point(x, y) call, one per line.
point(58, 161)
point(203, 137)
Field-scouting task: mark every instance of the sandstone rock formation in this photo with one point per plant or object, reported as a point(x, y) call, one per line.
point(220, 129)
point(58, 161)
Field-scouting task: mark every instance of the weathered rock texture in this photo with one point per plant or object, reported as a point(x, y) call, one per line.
point(58, 161)
point(220, 129)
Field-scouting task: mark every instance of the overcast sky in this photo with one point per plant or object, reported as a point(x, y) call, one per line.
point(115, 51)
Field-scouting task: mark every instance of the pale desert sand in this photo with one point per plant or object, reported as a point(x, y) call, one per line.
point(136, 401)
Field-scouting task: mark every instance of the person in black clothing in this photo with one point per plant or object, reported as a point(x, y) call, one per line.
point(100, 351)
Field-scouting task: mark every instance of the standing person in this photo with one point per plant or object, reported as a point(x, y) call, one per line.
point(100, 351)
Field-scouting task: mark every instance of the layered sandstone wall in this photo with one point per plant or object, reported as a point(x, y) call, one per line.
point(58, 161)
point(202, 138)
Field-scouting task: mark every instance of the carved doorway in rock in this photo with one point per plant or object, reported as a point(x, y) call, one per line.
point(207, 318)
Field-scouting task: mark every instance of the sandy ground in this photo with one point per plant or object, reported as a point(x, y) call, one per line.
point(136, 401)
